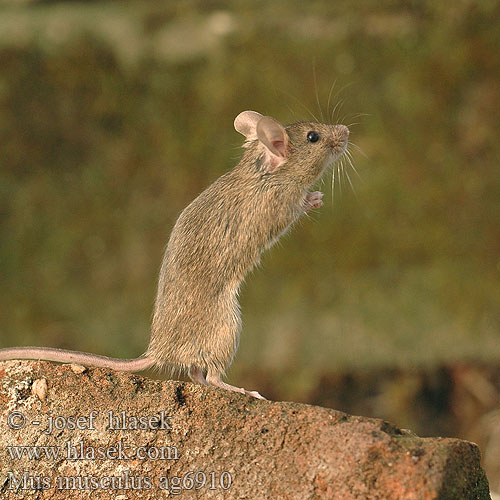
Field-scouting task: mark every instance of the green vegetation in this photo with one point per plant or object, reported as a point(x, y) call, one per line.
point(114, 116)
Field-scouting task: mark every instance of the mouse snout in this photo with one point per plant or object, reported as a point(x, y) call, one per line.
point(342, 132)
point(339, 138)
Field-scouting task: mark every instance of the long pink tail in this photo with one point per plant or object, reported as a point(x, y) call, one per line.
point(82, 358)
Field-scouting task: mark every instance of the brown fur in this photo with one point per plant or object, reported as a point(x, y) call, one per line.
point(218, 239)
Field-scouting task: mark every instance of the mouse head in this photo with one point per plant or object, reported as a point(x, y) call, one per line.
point(308, 147)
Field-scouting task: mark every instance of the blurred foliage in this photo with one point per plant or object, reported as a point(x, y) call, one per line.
point(114, 116)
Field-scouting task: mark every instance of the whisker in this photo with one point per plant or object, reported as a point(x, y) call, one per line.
point(343, 119)
point(350, 182)
point(339, 105)
point(350, 160)
point(338, 93)
point(333, 184)
point(316, 92)
point(359, 115)
point(343, 174)
point(358, 148)
point(340, 178)
point(329, 98)
point(300, 104)
point(352, 117)
point(292, 112)
point(347, 153)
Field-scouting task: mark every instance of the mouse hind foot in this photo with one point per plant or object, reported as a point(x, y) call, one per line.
point(216, 380)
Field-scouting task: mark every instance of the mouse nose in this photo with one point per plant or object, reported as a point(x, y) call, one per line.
point(342, 131)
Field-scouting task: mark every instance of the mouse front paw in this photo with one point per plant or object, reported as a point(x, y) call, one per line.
point(314, 200)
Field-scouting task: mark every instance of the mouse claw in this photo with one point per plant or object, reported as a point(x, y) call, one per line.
point(314, 200)
point(255, 394)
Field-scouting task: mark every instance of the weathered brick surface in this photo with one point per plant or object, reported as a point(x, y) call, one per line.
point(270, 450)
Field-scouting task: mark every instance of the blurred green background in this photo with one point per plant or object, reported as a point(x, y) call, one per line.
point(114, 116)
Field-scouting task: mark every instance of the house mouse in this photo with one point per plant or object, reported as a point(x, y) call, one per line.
point(216, 241)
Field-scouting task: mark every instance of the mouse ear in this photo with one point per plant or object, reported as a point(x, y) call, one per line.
point(274, 137)
point(246, 123)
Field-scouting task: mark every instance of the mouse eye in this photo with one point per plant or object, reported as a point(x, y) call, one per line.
point(312, 136)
